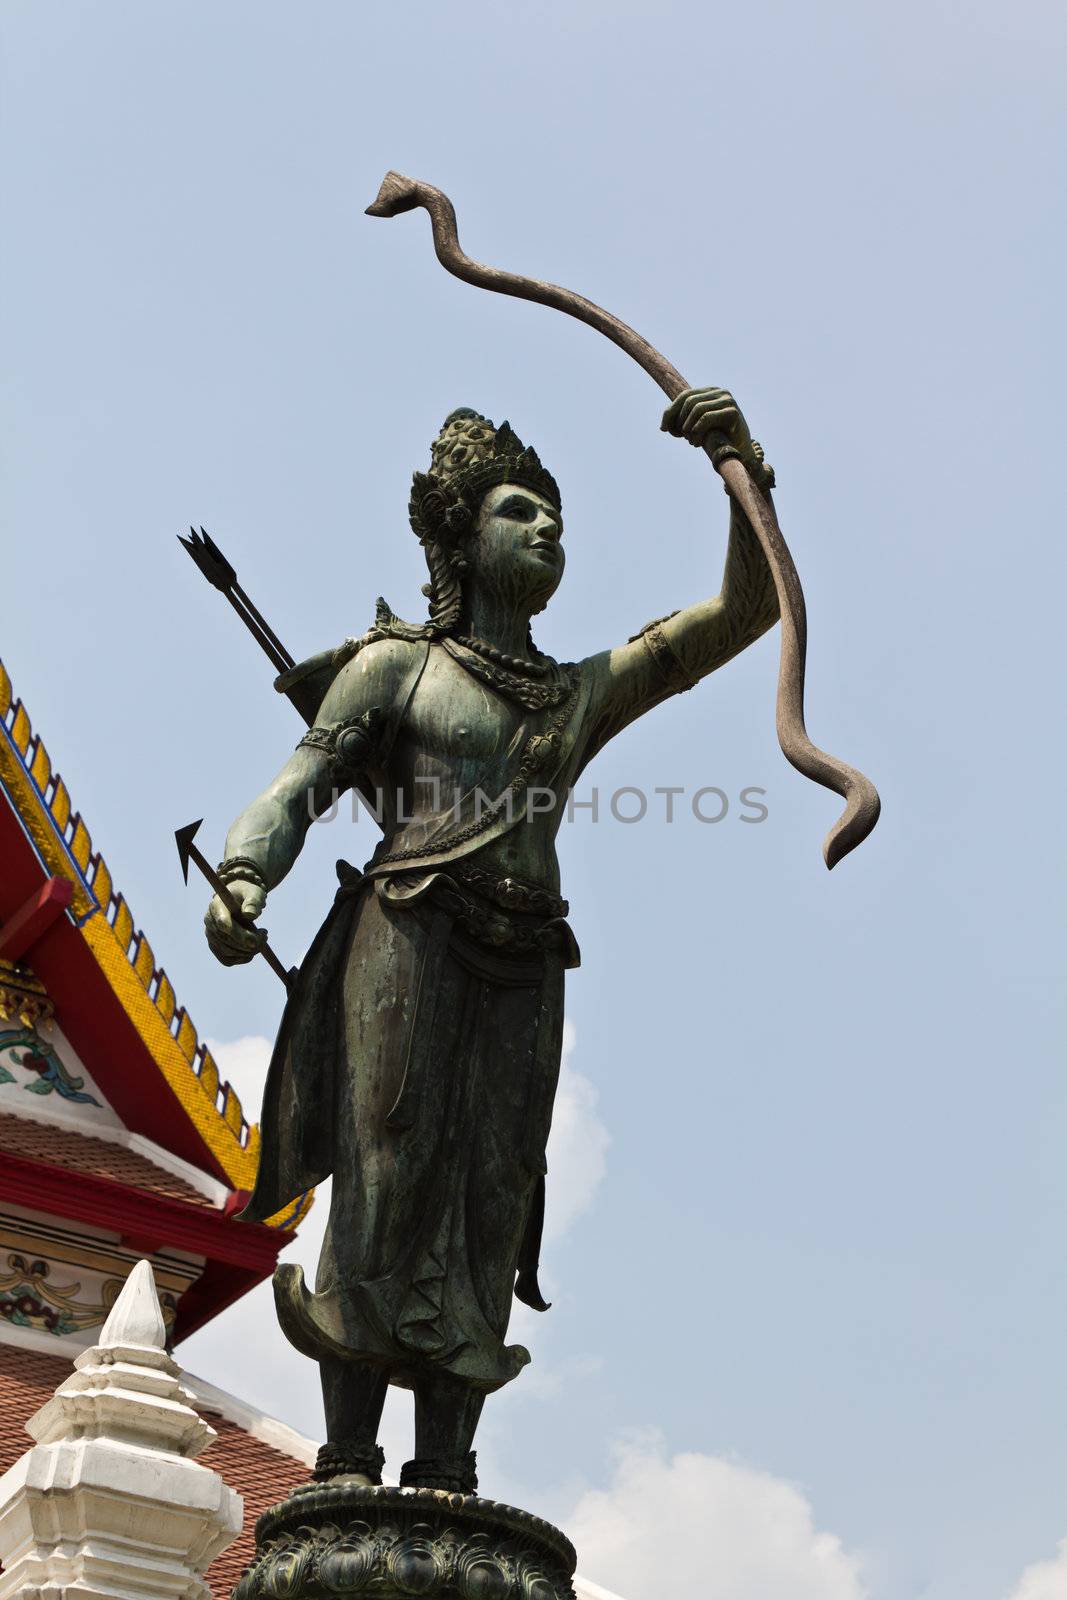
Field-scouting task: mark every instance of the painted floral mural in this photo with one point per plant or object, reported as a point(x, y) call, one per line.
point(29, 1060)
point(29, 1298)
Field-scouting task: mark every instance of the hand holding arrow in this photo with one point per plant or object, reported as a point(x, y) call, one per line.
point(187, 851)
point(399, 193)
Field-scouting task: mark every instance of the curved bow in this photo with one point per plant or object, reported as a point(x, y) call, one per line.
point(862, 804)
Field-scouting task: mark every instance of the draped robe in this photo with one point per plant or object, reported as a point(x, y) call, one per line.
point(417, 1063)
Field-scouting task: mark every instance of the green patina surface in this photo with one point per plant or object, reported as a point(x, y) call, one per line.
point(418, 1056)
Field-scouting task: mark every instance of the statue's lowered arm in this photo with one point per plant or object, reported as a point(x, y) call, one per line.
point(399, 193)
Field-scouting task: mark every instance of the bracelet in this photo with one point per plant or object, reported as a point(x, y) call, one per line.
point(760, 469)
point(242, 868)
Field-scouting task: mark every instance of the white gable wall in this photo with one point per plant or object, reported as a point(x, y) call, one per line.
point(48, 1097)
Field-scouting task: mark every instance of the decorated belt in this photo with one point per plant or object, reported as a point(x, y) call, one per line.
point(514, 919)
point(498, 929)
point(511, 894)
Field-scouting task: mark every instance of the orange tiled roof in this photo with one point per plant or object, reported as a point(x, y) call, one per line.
point(256, 1470)
point(81, 1152)
point(262, 1474)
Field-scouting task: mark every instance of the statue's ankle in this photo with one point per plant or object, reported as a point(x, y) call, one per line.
point(457, 1475)
point(346, 1457)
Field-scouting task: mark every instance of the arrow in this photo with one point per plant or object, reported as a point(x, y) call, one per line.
point(222, 575)
point(187, 851)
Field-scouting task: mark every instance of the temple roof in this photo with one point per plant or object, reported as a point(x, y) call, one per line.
point(80, 1152)
point(67, 930)
point(263, 1472)
point(114, 1122)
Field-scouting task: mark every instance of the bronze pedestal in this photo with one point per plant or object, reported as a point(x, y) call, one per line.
point(347, 1538)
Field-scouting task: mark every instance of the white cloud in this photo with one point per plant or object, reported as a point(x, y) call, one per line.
point(1045, 1580)
point(703, 1525)
point(577, 1147)
point(244, 1063)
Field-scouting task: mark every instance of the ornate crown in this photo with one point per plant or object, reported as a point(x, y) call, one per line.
point(469, 456)
point(465, 439)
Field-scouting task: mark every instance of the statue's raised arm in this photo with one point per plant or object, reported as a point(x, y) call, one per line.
point(399, 193)
point(671, 654)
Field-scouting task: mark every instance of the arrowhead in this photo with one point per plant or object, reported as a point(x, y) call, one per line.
point(183, 838)
point(209, 558)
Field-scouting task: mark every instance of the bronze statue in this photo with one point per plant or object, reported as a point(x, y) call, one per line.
point(418, 1058)
point(418, 1055)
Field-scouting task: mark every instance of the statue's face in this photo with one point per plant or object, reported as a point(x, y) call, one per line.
point(515, 548)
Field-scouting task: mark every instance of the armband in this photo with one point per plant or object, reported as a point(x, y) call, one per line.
point(673, 670)
point(350, 746)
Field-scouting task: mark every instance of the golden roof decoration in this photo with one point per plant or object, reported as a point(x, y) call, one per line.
point(122, 952)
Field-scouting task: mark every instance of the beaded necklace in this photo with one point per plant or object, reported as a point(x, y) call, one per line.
point(523, 681)
point(521, 664)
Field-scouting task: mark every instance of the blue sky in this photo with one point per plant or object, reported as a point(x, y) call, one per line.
point(816, 1214)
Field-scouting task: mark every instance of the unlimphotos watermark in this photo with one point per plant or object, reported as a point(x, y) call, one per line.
point(628, 804)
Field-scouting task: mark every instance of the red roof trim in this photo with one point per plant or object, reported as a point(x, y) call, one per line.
point(20, 932)
point(153, 1220)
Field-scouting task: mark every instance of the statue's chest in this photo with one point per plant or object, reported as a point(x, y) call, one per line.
point(455, 720)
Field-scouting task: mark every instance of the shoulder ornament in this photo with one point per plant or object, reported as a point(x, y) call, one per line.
point(386, 625)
